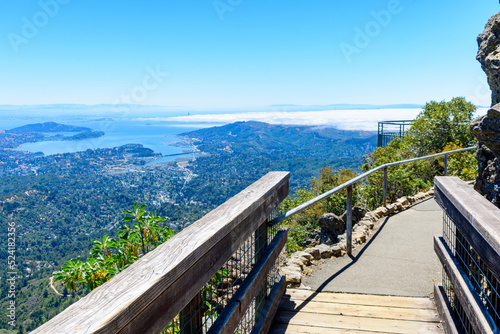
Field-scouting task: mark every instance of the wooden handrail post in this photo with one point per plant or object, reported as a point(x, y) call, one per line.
point(260, 248)
point(349, 221)
point(191, 317)
point(384, 200)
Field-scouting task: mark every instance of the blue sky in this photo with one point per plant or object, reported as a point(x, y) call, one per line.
point(241, 54)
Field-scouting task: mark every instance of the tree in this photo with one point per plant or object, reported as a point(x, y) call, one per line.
point(440, 123)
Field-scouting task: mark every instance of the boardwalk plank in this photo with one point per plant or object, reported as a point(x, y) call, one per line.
point(382, 312)
point(357, 323)
point(304, 311)
point(298, 329)
point(358, 299)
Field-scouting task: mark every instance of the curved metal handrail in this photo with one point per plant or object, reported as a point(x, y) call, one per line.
point(349, 183)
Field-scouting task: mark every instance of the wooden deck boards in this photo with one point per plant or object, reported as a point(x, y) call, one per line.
point(303, 311)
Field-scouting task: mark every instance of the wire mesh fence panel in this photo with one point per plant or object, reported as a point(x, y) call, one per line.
point(202, 312)
point(483, 281)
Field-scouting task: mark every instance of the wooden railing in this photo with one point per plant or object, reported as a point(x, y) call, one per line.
point(468, 298)
point(164, 288)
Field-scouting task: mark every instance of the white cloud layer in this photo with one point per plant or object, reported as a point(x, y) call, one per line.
point(343, 119)
point(365, 119)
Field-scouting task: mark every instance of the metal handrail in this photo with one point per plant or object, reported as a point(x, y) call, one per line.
point(352, 181)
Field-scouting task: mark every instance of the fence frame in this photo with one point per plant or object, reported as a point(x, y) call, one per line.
point(477, 221)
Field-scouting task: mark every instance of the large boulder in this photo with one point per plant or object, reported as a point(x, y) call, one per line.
point(489, 55)
point(331, 226)
point(357, 214)
point(487, 128)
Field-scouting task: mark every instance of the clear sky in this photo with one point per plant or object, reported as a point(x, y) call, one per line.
point(240, 54)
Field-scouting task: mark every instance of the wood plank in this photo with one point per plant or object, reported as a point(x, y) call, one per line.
point(299, 329)
point(477, 314)
point(444, 309)
point(356, 323)
point(359, 299)
point(476, 218)
point(147, 295)
point(229, 319)
point(268, 312)
point(382, 312)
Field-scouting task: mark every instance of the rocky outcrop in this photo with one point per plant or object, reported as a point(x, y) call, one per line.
point(332, 225)
point(487, 128)
point(489, 55)
point(487, 131)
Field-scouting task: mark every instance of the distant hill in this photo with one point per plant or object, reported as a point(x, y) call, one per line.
point(48, 127)
point(32, 133)
point(284, 140)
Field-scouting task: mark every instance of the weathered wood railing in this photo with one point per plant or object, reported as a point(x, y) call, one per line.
point(469, 250)
point(166, 284)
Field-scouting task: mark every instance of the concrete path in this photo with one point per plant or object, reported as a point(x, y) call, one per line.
point(398, 259)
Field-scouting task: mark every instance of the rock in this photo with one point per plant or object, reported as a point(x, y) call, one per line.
point(336, 250)
point(368, 223)
point(325, 251)
point(404, 201)
point(314, 252)
point(307, 255)
point(331, 226)
point(489, 55)
point(381, 211)
point(306, 261)
point(430, 192)
point(293, 275)
point(358, 237)
point(392, 208)
point(357, 214)
point(487, 129)
point(420, 196)
point(371, 216)
point(488, 178)
point(327, 238)
point(411, 199)
point(294, 261)
point(361, 229)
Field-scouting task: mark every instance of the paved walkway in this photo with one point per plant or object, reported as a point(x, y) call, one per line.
point(398, 260)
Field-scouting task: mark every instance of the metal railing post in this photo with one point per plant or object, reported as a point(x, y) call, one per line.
point(445, 164)
point(384, 200)
point(348, 227)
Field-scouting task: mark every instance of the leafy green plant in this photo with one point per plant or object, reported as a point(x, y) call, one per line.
point(110, 256)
